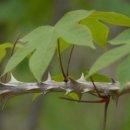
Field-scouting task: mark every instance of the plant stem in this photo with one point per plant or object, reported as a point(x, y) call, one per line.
point(69, 60)
point(95, 87)
point(105, 113)
point(60, 61)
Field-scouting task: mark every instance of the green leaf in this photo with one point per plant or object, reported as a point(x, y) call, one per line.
point(71, 31)
point(95, 22)
point(99, 30)
point(63, 44)
point(3, 48)
point(108, 58)
point(73, 17)
point(112, 18)
point(18, 57)
point(76, 34)
point(42, 43)
point(99, 78)
point(2, 53)
point(58, 77)
point(74, 95)
point(122, 38)
point(123, 72)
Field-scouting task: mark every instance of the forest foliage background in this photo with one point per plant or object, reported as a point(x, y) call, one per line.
point(49, 112)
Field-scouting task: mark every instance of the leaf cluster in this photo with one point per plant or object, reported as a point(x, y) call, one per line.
point(82, 28)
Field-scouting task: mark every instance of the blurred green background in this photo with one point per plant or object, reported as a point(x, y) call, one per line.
point(49, 112)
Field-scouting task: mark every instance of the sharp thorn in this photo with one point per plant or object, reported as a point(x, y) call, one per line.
point(49, 77)
point(49, 87)
point(67, 91)
point(86, 90)
point(82, 78)
point(45, 92)
point(113, 81)
point(13, 80)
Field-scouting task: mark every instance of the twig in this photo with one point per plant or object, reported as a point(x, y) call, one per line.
point(17, 88)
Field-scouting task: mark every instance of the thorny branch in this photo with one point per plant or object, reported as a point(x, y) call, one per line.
point(81, 86)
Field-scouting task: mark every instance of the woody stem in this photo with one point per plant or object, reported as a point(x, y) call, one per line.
point(95, 87)
point(60, 61)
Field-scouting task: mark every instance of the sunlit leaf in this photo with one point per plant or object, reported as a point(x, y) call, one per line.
point(63, 45)
point(112, 18)
point(71, 31)
point(73, 17)
point(3, 48)
point(76, 34)
point(99, 30)
point(2, 53)
point(41, 43)
point(95, 22)
point(69, 28)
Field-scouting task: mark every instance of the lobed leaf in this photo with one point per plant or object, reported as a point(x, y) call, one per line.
point(41, 42)
point(73, 17)
point(76, 34)
point(71, 31)
point(112, 18)
point(98, 29)
point(95, 22)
